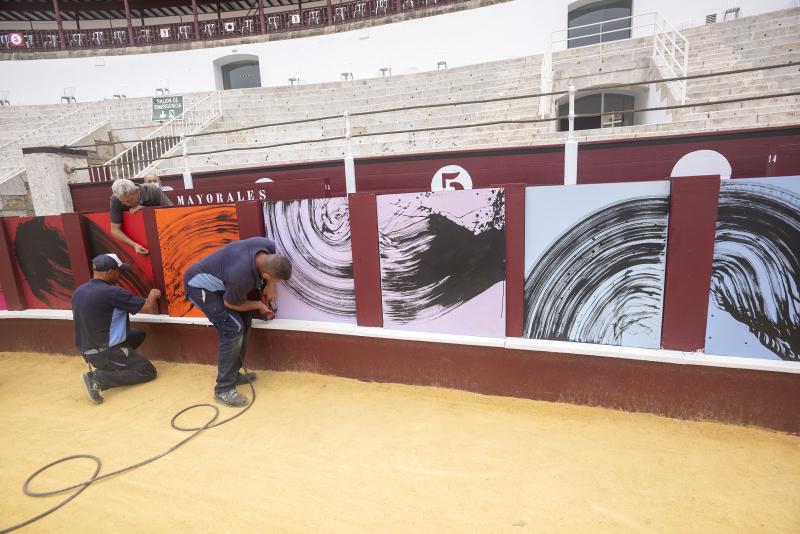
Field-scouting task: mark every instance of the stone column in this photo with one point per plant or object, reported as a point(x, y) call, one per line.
point(49, 172)
point(15, 199)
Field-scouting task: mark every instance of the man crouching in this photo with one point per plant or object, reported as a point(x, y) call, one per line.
point(102, 334)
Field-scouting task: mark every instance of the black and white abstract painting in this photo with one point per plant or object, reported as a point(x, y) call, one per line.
point(443, 261)
point(595, 258)
point(754, 305)
point(315, 235)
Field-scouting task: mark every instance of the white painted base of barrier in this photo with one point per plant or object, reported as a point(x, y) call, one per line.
point(562, 347)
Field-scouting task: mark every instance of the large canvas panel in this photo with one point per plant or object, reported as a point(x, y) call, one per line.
point(754, 305)
point(315, 235)
point(187, 235)
point(595, 259)
point(443, 261)
point(139, 280)
point(42, 261)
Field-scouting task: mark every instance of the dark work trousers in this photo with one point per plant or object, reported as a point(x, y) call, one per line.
point(122, 365)
point(233, 329)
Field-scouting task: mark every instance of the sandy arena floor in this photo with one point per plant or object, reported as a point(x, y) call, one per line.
point(323, 454)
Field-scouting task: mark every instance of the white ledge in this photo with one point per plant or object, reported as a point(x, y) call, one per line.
point(563, 347)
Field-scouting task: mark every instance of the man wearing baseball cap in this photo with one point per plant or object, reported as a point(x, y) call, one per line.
point(102, 333)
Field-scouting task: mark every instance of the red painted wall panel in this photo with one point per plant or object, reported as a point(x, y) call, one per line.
point(251, 219)
point(515, 259)
point(640, 159)
point(537, 166)
point(737, 396)
point(77, 247)
point(690, 253)
point(9, 279)
point(366, 259)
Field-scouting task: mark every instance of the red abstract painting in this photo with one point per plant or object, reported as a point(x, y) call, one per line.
point(42, 261)
point(97, 226)
point(187, 235)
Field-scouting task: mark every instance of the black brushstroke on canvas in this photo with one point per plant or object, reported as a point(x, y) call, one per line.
point(602, 276)
point(433, 262)
point(101, 242)
point(757, 263)
point(43, 258)
point(315, 236)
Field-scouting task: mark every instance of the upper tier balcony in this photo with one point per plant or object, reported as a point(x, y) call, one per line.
point(56, 25)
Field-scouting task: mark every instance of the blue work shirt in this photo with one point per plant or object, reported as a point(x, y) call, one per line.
point(100, 314)
point(231, 270)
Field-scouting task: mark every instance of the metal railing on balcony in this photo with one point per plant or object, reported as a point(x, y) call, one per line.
point(206, 30)
point(62, 130)
point(670, 49)
point(137, 160)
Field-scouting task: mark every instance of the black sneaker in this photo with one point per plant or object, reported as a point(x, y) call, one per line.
point(92, 388)
point(231, 398)
point(245, 378)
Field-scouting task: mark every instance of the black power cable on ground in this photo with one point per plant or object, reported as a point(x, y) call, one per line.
point(81, 486)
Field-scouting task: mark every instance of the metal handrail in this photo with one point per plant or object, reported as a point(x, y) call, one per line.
point(546, 81)
point(140, 157)
point(48, 124)
point(668, 45)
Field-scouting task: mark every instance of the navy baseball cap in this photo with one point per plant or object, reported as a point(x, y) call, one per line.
point(106, 262)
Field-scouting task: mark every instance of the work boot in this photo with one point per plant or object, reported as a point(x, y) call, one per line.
point(92, 388)
point(245, 378)
point(231, 398)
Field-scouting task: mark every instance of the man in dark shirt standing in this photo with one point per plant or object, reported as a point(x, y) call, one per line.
point(102, 334)
point(219, 285)
point(127, 196)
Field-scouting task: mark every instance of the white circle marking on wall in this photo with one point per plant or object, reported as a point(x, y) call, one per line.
point(449, 175)
point(701, 163)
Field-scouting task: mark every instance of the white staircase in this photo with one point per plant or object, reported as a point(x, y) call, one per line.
point(137, 160)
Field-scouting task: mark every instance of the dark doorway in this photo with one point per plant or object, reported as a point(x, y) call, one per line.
point(241, 75)
point(599, 22)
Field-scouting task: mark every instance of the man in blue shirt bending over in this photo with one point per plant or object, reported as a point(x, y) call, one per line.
point(100, 314)
point(218, 285)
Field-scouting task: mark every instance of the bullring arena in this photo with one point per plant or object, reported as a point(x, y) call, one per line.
point(544, 266)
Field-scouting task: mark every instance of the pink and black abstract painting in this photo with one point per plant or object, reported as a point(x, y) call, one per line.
point(442, 261)
point(315, 235)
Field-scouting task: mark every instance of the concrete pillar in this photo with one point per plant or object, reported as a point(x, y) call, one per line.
point(15, 199)
point(49, 172)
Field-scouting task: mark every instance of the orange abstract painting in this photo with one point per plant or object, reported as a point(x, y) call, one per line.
point(187, 235)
